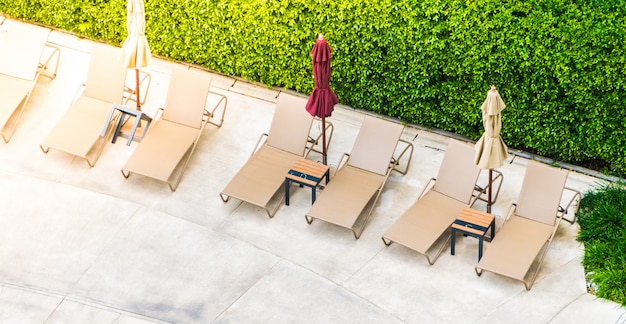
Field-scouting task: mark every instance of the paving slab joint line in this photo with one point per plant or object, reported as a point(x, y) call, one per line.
point(111, 308)
point(55, 309)
point(248, 288)
point(72, 298)
point(567, 306)
point(358, 295)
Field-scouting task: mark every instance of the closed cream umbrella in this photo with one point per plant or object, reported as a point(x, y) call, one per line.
point(135, 50)
point(490, 148)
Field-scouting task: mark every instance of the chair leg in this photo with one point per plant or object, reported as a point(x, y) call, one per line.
point(273, 211)
point(441, 248)
point(15, 117)
point(529, 284)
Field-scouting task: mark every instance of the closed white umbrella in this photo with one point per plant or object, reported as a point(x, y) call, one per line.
point(135, 50)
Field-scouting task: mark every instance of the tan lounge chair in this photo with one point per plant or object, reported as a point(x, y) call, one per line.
point(169, 144)
point(263, 175)
point(23, 59)
point(530, 226)
point(361, 176)
point(78, 132)
point(439, 203)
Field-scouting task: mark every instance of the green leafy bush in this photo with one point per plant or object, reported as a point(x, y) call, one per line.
point(559, 65)
point(602, 219)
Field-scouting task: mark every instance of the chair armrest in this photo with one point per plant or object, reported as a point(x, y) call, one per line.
point(130, 91)
point(43, 65)
point(343, 160)
point(395, 161)
point(210, 113)
point(312, 142)
point(480, 191)
point(259, 143)
point(79, 92)
point(573, 201)
point(429, 185)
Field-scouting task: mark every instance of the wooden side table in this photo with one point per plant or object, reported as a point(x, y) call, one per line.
point(474, 223)
point(306, 173)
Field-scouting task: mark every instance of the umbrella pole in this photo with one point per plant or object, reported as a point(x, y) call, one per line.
point(489, 191)
point(324, 140)
point(137, 89)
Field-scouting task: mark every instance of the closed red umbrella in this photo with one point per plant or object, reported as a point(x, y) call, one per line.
point(322, 100)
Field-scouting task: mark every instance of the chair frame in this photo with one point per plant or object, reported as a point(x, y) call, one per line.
point(393, 166)
point(427, 188)
point(207, 118)
point(561, 211)
point(42, 70)
point(476, 195)
point(176, 181)
point(311, 142)
point(92, 156)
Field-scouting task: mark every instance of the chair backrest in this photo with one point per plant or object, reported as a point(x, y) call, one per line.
point(186, 97)
point(291, 124)
point(106, 75)
point(22, 49)
point(540, 196)
point(375, 145)
point(457, 174)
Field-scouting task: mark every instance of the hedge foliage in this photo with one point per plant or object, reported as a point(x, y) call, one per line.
point(602, 219)
point(559, 64)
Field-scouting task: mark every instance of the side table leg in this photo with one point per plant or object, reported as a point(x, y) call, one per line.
point(118, 128)
point(286, 192)
point(452, 240)
point(106, 126)
point(480, 247)
point(134, 129)
point(313, 195)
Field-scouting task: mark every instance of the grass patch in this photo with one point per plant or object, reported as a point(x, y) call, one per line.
point(602, 219)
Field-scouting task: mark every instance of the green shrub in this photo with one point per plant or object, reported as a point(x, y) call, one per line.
point(602, 219)
point(560, 65)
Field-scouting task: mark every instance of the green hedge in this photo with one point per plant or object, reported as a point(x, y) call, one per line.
point(602, 219)
point(559, 64)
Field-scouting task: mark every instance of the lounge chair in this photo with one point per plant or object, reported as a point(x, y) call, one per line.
point(263, 175)
point(440, 202)
point(530, 225)
point(78, 132)
point(23, 59)
point(361, 176)
point(169, 144)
